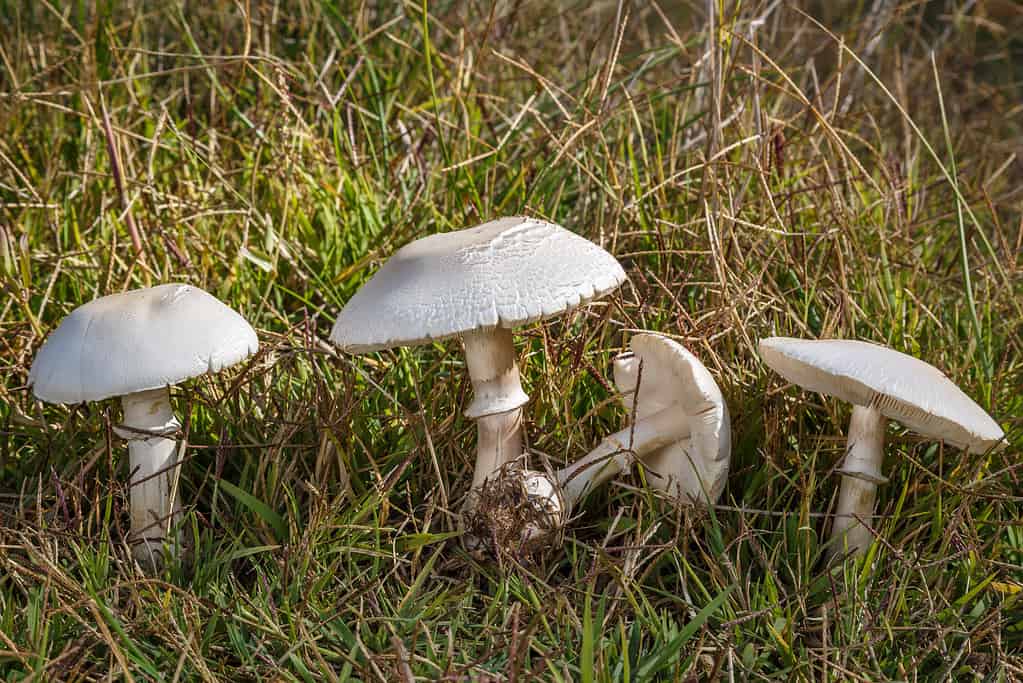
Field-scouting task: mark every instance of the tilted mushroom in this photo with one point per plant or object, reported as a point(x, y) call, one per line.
point(681, 434)
point(135, 345)
point(682, 431)
point(478, 284)
point(880, 383)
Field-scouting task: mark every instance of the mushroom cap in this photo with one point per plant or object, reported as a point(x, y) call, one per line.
point(901, 387)
point(504, 273)
point(694, 467)
point(136, 341)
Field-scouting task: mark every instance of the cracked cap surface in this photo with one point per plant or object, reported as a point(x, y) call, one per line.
point(504, 273)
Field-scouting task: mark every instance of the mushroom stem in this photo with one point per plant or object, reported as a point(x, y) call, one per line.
point(496, 406)
point(614, 452)
point(153, 460)
point(861, 474)
point(498, 441)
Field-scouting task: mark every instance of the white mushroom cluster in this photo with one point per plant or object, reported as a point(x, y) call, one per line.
point(478, 285)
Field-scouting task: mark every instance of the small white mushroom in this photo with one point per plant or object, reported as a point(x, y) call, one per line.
point(681, 434)
point(880, 383)
point(135, 345)
point(478, 284)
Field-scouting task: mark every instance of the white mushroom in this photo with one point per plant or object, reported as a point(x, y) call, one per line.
point(880, 383)
point(135, 345)
point(681, 434)
point(478, 284)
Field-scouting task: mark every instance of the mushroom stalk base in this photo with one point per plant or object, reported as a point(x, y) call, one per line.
point(861, 475)
point(153, 460)
point(615, 452)
point(498, 399)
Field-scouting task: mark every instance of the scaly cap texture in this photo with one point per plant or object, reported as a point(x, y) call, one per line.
point(504, 273)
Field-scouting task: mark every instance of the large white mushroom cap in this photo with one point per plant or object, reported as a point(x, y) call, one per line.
point(695, 467)
point(504, 273)
point(901, 387)
point(136, 341)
